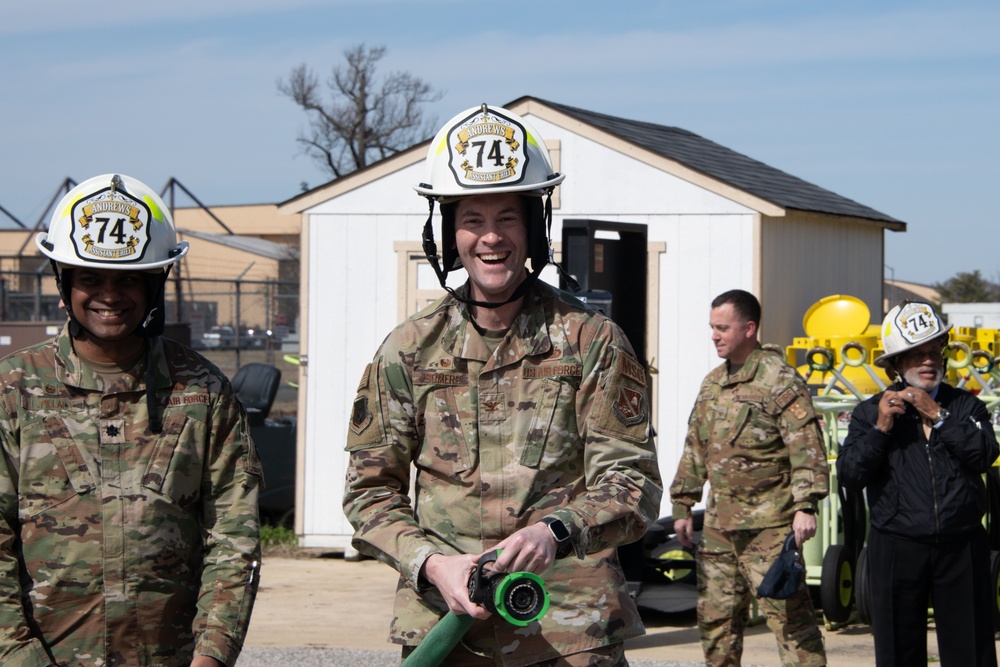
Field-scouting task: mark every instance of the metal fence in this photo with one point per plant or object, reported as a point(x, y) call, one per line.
point(231, 322)
point(220, 314)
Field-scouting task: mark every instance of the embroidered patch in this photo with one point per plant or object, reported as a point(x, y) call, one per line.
point(112, 431)
point(364, 378)
point(189, 399)
point(552, 370)
point(40, 404)
point(430, 377)
point(786, 398)
point(361, 416)
point(492, 407)
point(630, 408)
point(633, 369)
point(798, 411)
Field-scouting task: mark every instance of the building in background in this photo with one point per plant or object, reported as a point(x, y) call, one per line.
point(662, 219)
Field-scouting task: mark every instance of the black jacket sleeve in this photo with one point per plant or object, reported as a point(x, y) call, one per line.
point(864, 454)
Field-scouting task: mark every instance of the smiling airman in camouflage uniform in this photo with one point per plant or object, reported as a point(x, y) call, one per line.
point(754, 437)
point(545, 420)
point(128, 488)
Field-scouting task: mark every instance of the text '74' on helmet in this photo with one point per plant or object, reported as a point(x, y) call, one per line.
point(111, 222)
point(907, 326)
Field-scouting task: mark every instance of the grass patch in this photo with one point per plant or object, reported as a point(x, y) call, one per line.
point(277, 537)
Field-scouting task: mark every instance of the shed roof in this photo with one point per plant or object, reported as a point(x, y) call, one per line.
point(726, 165)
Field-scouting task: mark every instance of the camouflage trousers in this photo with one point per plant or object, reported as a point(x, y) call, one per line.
point(606, 656)
point(731, 565)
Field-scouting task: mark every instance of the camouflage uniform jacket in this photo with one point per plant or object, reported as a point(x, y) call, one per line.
point(755, 438)
point(553, 423)
point(119, 546)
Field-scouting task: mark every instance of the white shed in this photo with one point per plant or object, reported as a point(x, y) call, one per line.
point(709, 219)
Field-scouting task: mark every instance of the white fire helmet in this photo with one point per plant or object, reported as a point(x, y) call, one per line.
point(908, 326)
point(485, 150)
point(112, 222)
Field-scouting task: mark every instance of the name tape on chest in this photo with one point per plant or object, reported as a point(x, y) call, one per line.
point(552, 370)
point(188, 399)
point(437, 377)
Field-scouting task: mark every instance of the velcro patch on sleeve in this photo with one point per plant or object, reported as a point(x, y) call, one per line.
point(364, 431)
point(624, 409)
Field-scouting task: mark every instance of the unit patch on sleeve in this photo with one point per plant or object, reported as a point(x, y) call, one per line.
point(360, 433)
point(799, 411)
point(361, 415)
point(630, 407)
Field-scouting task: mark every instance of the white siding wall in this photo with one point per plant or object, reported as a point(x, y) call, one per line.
point(805, 260)
point(352, 297)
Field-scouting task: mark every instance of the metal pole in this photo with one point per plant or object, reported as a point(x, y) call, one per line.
point(238, 326)
point(268, 325)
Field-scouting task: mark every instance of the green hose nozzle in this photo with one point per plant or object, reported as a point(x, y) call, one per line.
point(519, 598)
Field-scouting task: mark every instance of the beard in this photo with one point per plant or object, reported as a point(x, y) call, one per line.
point(913, 378)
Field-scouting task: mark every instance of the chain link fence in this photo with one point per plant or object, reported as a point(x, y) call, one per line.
point(232, 322)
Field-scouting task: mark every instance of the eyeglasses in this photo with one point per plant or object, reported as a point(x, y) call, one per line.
point(933, 352)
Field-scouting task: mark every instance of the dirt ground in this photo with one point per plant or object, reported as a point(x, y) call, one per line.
point(328, 602)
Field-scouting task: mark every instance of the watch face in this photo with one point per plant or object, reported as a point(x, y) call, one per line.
point(558, 529)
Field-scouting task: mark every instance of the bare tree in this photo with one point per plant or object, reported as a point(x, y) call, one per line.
point(365, 119)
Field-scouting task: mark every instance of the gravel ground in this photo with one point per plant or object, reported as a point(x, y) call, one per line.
point(342, 657)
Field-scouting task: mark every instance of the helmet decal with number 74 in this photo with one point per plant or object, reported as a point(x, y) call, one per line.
point(487, 149)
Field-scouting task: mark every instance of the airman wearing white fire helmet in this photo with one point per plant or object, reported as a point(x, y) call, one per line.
point(523, 412)
point(129, 483)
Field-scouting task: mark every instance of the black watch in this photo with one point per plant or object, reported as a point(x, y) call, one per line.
point(560, 533)
point(941, 416)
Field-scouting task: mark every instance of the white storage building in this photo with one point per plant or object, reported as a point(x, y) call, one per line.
point(662, 217)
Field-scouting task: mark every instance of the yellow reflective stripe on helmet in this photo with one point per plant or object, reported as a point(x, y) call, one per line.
point(154, 208)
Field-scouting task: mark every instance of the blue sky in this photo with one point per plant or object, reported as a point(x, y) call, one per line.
point(893, 104)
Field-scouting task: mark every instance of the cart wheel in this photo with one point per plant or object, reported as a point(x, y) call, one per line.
point(995, 578)
point(836, 588)
point(862, 590)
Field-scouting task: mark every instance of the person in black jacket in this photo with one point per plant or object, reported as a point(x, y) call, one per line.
point(921, 448)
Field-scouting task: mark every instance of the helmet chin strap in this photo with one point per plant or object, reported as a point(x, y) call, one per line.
point(430, 251)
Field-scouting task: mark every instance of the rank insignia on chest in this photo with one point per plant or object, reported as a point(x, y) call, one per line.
point(112, 431)
point(630, 408)
point(361, 415)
